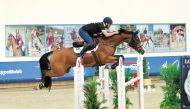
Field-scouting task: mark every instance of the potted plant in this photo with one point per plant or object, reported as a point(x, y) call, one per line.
point(147, 80)
point(171, 76)
point(91, 96)
point(113, 77)
point(145, 69)
point(96, 74)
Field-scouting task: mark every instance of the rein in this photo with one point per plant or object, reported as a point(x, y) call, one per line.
point(104, 42)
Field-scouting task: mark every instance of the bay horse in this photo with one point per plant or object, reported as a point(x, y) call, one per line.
point(57, 63)
point(12, 42)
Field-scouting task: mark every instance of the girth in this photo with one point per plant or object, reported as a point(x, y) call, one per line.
point(98, 61)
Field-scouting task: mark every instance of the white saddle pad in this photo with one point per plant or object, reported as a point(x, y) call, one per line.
point(78, 49)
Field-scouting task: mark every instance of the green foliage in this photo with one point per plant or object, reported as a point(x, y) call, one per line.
point(145, 69)
point(171, 75)
point(97, 71)
point(113, 77)
point(90, 93)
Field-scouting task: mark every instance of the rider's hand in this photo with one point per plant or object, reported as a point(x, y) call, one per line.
point(116, 32)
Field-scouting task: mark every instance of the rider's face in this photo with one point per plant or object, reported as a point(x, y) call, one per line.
point(107, 25)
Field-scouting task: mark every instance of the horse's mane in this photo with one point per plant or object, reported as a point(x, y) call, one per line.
point(121, 30)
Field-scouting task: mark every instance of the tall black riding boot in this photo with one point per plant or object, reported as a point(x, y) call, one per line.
point(86, 48)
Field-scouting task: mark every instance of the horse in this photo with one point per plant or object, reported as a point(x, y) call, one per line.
point(57, 63)
point(11, 42)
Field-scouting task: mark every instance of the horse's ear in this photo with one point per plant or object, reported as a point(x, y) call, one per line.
point(136, 32)
point(121, 30)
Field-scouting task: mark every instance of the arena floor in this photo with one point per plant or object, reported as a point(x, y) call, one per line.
point(62, 97)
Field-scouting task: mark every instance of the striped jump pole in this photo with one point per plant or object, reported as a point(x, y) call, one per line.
point(78, 84)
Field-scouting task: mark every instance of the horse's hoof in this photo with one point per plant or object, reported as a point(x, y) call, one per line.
point(113, 66)
point(41, 85)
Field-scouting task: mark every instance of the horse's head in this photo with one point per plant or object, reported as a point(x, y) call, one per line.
point(133, 40)
point(9, 40)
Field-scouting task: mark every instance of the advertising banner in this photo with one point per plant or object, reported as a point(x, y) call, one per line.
point(30, 71)
point(185, 82)
point(35, 40)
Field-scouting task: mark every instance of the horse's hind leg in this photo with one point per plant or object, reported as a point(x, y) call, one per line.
point(46, 80)
point(52, 73)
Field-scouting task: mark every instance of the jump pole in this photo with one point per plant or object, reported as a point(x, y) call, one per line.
point(141, 82)
point(78, 84)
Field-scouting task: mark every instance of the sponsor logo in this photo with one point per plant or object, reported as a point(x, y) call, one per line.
point(10, 72)
point(186, 61)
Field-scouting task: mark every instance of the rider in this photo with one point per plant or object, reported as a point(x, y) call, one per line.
point(20, 41)
point(90, 30)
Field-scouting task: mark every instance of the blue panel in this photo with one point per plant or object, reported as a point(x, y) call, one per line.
point(155, 63)
point(19, 71)
point(30, 71)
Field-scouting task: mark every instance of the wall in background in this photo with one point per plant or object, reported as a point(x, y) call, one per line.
point(86, 11)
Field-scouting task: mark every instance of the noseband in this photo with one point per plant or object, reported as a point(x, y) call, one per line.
point(134, 41)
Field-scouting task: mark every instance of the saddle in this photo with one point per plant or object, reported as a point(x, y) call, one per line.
point(77, 46)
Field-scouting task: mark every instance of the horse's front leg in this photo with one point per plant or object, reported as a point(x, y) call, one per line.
point(116, 63)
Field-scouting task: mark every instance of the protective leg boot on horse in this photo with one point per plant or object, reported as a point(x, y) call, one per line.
point(85, 48)
point(113, 66)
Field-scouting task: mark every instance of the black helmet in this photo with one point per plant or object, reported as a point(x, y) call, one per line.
point(108, 20)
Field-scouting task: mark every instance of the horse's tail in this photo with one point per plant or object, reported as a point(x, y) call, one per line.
point(48, 82)
point(44, 66)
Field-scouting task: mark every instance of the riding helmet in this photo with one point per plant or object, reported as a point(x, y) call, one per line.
point(107, 20)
